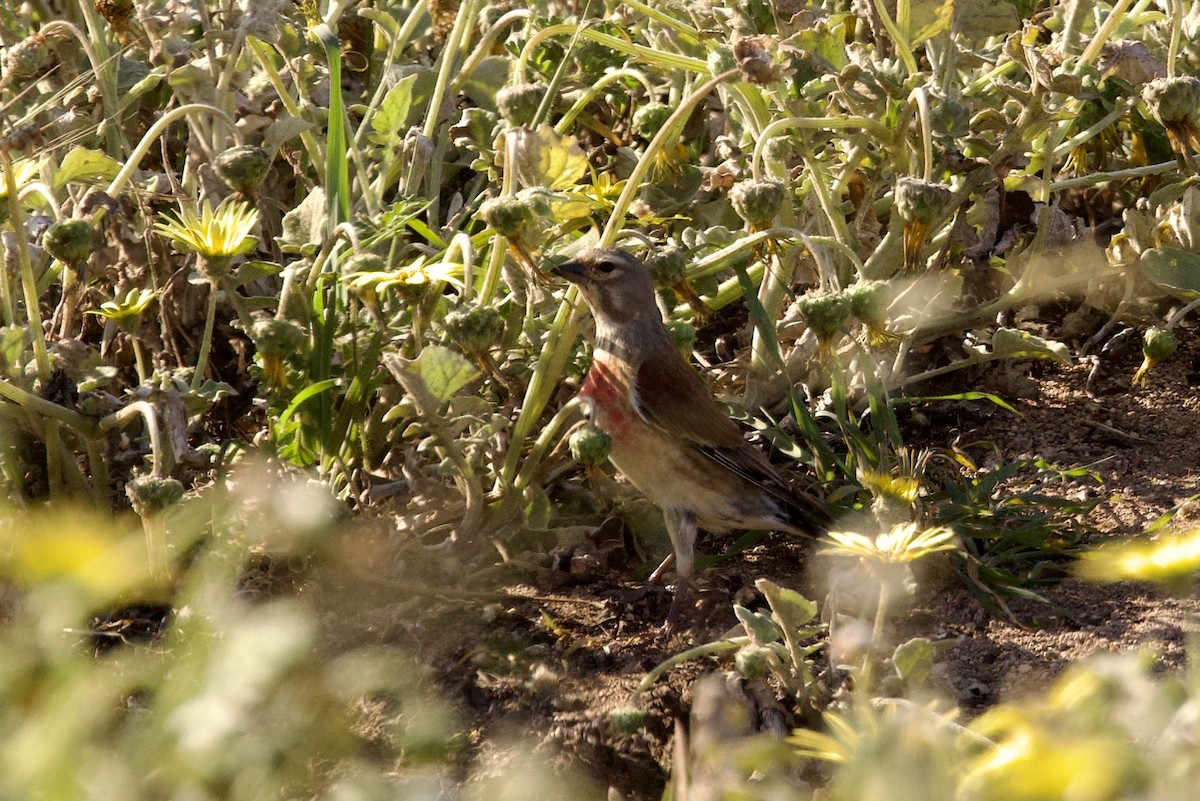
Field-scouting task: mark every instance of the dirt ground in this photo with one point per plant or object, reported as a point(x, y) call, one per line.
point(542, 649)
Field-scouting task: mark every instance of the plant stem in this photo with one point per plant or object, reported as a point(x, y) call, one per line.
point(206, 340)
point(28, 282)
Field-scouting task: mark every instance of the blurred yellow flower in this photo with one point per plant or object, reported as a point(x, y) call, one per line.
point(901, 543)
point(1172, 557)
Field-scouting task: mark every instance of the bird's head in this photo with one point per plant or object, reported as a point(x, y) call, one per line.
point(616, 285)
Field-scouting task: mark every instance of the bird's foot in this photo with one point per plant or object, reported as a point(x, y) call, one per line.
point(681, 598)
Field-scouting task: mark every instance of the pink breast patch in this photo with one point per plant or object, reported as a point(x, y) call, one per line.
point(611, 404)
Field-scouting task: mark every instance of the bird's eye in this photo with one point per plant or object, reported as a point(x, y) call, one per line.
point(606, 267)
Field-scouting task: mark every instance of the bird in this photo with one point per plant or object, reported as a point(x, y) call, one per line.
point(670, 438)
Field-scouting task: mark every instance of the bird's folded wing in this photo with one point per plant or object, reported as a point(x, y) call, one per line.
point(672, 397)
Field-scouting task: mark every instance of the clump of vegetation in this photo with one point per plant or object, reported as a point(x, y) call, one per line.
point(320, 232)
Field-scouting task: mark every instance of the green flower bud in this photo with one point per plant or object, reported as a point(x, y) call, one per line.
point(519, 103)
point(921, 201)
point(757, 202)
point(668, 265)
point(650, 118)
point(589, 445)
point(721, 60)
point(626, 720)
point(243, 167)
point(869, 301)
point(507, 216)
point(26, 59)
point(683, 334)
point(278, 338)
point(475, 328)
point(1159, 344)
point(69, 241)
point(214, 268)
point(752, 660)
point(149, 495)
point(825, 313)
point(1173, 100)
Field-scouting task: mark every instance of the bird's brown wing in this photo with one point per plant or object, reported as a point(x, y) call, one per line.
point(671, 396)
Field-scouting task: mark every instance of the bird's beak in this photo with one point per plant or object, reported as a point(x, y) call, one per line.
point(573, 271)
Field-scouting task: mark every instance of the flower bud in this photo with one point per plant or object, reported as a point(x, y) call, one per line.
point(650, 118)
point(869, 301)
point(1173, 100)
point(278, 338)
point(475, 328)
point(921, 201)
point(590, 446)
point(149, 495)
point(243, 167)
point(825, 313)
point(757, 202)
point(26, 59)
point(667, 265)
point(519, 103)
point(507, 216)
point(683, 334)
point(753, 660)
point(69, 241)
point(1158, 345)
point(721, 60)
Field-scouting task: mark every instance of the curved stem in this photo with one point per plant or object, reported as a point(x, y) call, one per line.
point(121, 418)
point(484, 46)
point(817, 124)
point(131, 164)
point(659, 57)
point(666, 133)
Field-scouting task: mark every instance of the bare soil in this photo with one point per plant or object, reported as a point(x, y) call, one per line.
point(541, 648)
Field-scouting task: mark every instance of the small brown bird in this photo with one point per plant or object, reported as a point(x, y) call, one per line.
point(669, 437)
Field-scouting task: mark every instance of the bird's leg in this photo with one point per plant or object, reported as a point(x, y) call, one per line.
point(681, 526)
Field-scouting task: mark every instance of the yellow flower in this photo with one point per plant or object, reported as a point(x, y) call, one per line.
point(1175, 556)
point(214, 234)
point(902, 543)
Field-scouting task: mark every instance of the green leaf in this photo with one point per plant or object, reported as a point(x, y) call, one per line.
point(1173, 269)
point(979, 19)
point(392, 114)
point(304, 226)
point(486, 80)
point(928, 18)
point(760, 627)
point(547, 158)
point(303, 395)
point(84, 164)
point(791, 608)
point(444, 372)
point(282, 130)
point(914, 659)
point(252, 271)
point(1012, 343)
